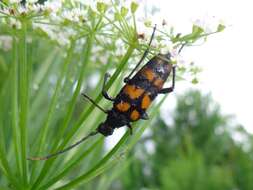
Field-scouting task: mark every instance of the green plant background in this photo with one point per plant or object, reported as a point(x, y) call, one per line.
point(42, 110)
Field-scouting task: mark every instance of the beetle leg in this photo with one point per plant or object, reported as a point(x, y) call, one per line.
point(166, 90)
point(170, 89)
point(104, 92)
point(142, 58)
point(94, 103)
point(181, 48)
point(130, 128)
point(144, 116)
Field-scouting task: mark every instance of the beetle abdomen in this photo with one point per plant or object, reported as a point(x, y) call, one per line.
point(137, 95)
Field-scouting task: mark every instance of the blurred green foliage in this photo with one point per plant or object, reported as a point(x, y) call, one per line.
point(49, 54)
point(198, 150)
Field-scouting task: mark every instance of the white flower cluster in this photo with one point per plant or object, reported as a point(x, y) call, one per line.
point(64, 20)
point(75, 15)
point(47, 13)
point(16, 8)
point(60, 20)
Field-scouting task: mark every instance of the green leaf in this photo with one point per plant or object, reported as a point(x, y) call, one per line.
point(24, 99)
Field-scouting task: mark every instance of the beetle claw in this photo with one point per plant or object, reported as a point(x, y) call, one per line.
point(130, 129)
point(144, 116)
point(126, 80)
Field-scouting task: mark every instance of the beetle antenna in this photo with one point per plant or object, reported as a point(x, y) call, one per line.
point(64, 150)
point(181, 48)
point(94, 103)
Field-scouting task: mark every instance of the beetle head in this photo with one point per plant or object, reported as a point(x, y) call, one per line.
point(105, 129)
point(168, 55)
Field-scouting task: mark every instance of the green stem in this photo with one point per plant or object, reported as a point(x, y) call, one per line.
point(103, 164)
point(70, 166)
point(24, 97)
point(14, 106)
point(85, 130)
point(5, 165)
point(85, 114)
point(69, 111)
point(44, 131)
point(123, 23)
point(42, 73)
point(96, 170)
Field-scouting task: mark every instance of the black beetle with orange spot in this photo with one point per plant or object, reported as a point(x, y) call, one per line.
point(134, 98)
point(138, 93)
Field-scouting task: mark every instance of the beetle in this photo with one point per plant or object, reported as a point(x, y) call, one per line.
point(136, 95)
point(134, 98)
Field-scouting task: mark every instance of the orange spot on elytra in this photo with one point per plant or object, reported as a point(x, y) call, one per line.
point(135, 115)
point(145, 102)
point(123, 106)
point(149, 74)
point(133, 92)
point(159, 83)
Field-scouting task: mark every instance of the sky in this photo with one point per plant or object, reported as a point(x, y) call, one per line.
point(225, 58)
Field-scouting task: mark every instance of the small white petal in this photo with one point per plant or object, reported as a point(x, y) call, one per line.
point(6, 42)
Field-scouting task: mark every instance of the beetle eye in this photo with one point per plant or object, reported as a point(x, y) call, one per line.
point(105, 129)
